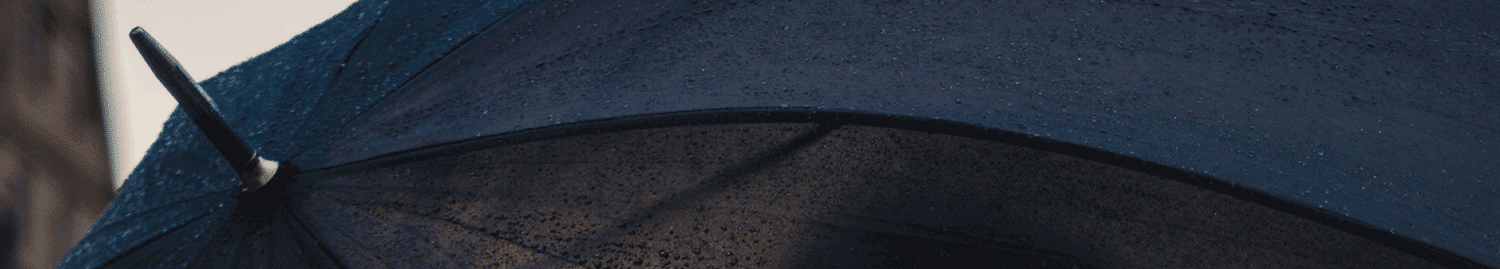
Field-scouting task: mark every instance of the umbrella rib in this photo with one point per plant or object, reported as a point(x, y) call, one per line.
point(481, 230)
point(162, 206)
point(421, 73)
point(164, 234)
point(345, 63)
point(361, 206)
point(345, 233)
point(729, 174)
point(362, 36)
point(296, 216)
point(456, 223)
point(665, 119)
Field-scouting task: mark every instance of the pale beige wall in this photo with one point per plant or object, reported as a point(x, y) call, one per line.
point(54, 177)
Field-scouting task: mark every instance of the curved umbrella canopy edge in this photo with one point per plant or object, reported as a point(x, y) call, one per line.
point(1389, 128)
point(948, 127)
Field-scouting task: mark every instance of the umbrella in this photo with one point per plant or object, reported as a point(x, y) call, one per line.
point(770, 134)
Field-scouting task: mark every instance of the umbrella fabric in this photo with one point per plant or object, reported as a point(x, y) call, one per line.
point(1353, 112)
point(693, 190)
point(1376, 113)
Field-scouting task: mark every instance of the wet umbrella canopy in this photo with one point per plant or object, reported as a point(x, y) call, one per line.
point(830, 134)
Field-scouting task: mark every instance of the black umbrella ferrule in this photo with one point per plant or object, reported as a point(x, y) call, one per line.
point(253, 170)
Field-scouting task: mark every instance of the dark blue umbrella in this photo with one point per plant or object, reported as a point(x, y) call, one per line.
point(770, 134)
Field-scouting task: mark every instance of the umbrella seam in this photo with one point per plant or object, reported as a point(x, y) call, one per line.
point(421, 73)
point(461, 225)
point(365, 34)
point(357, 244)
point(156, 208)
point(164, 234)
point(297, 215)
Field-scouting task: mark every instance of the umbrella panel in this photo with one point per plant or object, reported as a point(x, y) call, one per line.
point(797, 195)
point(249, 230)
point(263, 232)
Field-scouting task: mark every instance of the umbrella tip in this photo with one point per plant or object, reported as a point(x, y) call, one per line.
point(253, 170)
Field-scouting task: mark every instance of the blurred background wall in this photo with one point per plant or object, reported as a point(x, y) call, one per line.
point(54, 175)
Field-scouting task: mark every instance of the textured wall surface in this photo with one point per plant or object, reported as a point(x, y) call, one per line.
point(54, 179)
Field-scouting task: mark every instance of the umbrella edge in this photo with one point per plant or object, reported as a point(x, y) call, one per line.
point(1350, 225)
